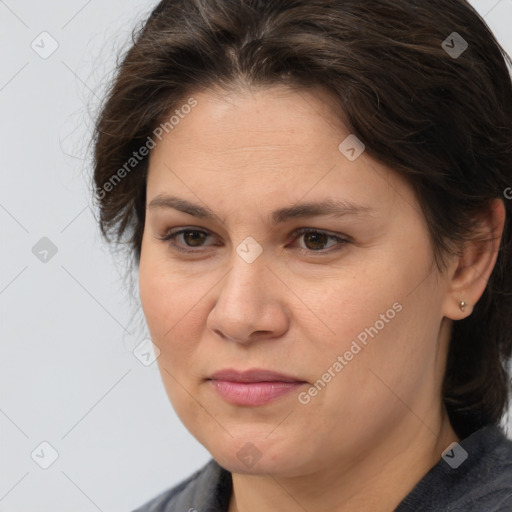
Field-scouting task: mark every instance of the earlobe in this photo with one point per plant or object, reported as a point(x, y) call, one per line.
point(471, 271)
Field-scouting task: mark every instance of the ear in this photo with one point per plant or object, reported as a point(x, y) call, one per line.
point(470, 271)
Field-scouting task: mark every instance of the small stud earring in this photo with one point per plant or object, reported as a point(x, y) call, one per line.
point(462, 305)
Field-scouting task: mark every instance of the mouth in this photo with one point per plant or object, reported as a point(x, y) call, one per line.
point(253, 387)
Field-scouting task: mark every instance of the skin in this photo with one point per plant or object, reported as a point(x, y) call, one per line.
point(379, 425)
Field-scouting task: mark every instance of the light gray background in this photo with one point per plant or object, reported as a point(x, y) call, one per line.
point(67, 372)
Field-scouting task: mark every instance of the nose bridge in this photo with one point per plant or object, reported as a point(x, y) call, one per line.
point(247, 276)
point(246, 303)
point(247, 260)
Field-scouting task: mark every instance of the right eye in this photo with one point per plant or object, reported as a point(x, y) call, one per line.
point(190, 238)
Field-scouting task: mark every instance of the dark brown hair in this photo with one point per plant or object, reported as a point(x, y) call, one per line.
point(441, 120)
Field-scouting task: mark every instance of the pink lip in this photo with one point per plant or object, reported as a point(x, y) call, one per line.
point(252, 387)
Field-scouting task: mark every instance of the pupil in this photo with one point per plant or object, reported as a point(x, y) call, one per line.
point(190, 238)
point(320, 239)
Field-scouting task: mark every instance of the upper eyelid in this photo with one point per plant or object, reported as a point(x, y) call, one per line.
point(181, 229)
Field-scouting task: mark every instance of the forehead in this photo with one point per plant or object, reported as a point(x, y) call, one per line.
point(257, 120)
point(245, 146)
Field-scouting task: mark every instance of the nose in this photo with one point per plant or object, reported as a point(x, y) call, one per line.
point(250, 304)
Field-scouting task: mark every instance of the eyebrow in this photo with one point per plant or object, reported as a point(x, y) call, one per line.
point(334, 208)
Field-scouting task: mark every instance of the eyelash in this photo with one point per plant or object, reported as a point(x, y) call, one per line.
point(170, 236)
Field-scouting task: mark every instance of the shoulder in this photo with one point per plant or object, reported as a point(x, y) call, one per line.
point(492, 476)
point(476, 476)
point(206, 490)
point(487, 480)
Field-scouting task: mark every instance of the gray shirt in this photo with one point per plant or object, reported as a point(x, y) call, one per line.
point(475, 475)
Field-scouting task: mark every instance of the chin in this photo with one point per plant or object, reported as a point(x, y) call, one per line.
point(248, 455)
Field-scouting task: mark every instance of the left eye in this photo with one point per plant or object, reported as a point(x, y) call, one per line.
point(315, 240)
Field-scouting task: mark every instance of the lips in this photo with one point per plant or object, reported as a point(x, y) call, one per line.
point(254, 375)
point(254, 387)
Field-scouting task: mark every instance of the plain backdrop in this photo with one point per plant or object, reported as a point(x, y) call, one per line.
point(73, 396)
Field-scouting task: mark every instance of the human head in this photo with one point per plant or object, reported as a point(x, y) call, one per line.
point(382, 66)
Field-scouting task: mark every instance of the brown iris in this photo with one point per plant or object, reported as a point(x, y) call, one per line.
point(318, 240)
point(191, 237)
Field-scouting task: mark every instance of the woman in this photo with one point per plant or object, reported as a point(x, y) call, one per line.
point(314, 193)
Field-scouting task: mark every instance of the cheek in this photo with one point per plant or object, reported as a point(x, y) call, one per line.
point(155, 298)
point(172, 316)
point(343, 306)
point(370, 315)
point(388, 341)
point(174, 309)
point(164, 296)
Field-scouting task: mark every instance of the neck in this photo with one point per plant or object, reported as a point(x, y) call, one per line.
point(378, 480)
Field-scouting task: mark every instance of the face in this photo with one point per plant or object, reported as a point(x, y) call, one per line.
point(281, 251)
